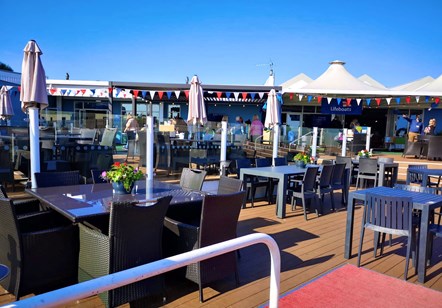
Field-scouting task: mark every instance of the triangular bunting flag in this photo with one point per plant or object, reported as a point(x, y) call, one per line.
point(319, 99)
point(300, 97)
point(63, 91)
point(427, 98)
point(252, 95)
point(160, 94)
point(408, 99)
point(152, 94)
point(338, 100)
point(348, 101)
point(144, 93)
point(309, 98)
point(236, 94)
point(110, 90)
point(368, 100)
point(186, 92)
point(358, 101)
point(329, 99)
point(437, 100)
point(417, 99)
point(244, 95)
point(136, 92)
point(169, 94)
point(398, 100)
point(53, 91)
point(118, 92)
point(93, 91)
point(291, 96)
point(388, 99)
point(228, 94)
point(261, 94)
point(177, 93)
point(83, 91)
point(378, 101)
point(218, 94)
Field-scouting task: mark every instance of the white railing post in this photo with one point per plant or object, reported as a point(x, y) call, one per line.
point(344, 142)
point(95, 286)
point(314, 141)
point(367, 139)
point(223, 154)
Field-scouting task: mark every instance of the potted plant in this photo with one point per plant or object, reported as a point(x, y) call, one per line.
point(364, 154)
point(122, 177)
point(303, 158)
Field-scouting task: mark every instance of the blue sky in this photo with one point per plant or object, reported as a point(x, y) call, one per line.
point(225, 41)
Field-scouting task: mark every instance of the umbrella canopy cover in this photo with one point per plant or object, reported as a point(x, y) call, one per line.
point(33, 78)
point(273, 114)
point(197, 109)
point(6, 110)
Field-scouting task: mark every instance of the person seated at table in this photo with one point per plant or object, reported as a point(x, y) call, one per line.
point(430, 129)
point(416, 127)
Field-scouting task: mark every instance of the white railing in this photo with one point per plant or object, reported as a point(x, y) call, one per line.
point(95, 286)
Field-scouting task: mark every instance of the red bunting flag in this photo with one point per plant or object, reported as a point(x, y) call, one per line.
point(291, 96)
point(19, 88)
point(378, 101)
point(437, 100)
point(110, 90)
point(218, 94)
point(78, 91)
point(83, 91)
point(160, 94)
point(136, 93)
point(319, 99)
point(53, 91)
point(244, 95)
point(348, 101)
point(186, 92)
point(407, 99)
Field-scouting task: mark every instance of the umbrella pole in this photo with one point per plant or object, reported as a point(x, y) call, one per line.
point(34, 142)
point(275, 140)
point(149, 148)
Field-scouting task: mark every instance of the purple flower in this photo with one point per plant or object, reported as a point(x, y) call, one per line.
point(103, 174)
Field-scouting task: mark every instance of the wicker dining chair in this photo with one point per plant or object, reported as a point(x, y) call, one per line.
point(40, 249)
point(218, 223)
point(229, 185)
point(22, 207)
point(389, 215)
point(64, 178)
point(132, 237)
point(192, 178)
point(324, 185)
point(338, 181)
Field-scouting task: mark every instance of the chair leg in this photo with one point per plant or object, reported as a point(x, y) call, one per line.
point(332, 199)
point(201, 292)
point(304, 208)
point(361, 240)
point(407, 260)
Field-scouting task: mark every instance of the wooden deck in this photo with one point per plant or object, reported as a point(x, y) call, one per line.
point(308, 250)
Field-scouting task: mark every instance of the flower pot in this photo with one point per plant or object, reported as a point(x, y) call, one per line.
point(119, 188)
point(300, 164)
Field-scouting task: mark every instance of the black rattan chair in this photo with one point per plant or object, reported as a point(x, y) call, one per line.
point(338, 181)
point(192, 178)
point(324, 185)
point(218, 222)
point(132, 237)
point(306, 190)
point(41, 251)
point(392, 215)
point(228, 185)
point(50, 179)
point(22, 207)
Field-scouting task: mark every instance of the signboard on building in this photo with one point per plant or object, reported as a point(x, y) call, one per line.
point(341, 108)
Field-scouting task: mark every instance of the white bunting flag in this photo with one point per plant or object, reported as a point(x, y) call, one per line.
point(388, 99)
point(358, 101)
point(300, 97)
point(261, 94)
point(417, 99)
point(329, 99)
point(177, 93)
point(152, 94)
point(236, 94)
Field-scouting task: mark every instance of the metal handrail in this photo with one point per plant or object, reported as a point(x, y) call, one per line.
point(299, 138)
point(95, 286)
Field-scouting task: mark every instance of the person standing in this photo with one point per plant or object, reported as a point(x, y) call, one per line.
point(130, 129)
point(256, 128)
point(430, 129)
point(416, 127)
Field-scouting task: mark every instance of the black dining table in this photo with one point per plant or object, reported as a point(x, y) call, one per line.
point(81, 202)
point(422, 202)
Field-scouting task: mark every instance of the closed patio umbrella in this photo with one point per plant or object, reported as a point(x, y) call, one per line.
point(273, 119)
point(6, 110)
point(197, 109)
point(33, 96)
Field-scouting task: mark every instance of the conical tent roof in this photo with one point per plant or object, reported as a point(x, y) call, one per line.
point(414, 85)
point(367, 79)
point(434, 86)
point(297, 82)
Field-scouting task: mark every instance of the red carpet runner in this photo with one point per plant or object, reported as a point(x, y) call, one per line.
point(350, 286)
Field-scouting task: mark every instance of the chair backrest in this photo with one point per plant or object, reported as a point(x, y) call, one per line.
point(327, 162)
point(338, 174)
point(263, 162)
point(344, 159)
point(415, 177)
point(96, 176)
point(135, 238)
point(388, 212)
point(3, 193)
point(416, 188)
point(192, 178)
point(309, 180)
point(228, 185)
point(326, 176)
point(49, 179)
point(242, 163)
point(368, 166)
point(385, 159)
point(108, 137)
point(219, 218)
point(6, 165)
point(89, 134)
point(280, 161)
